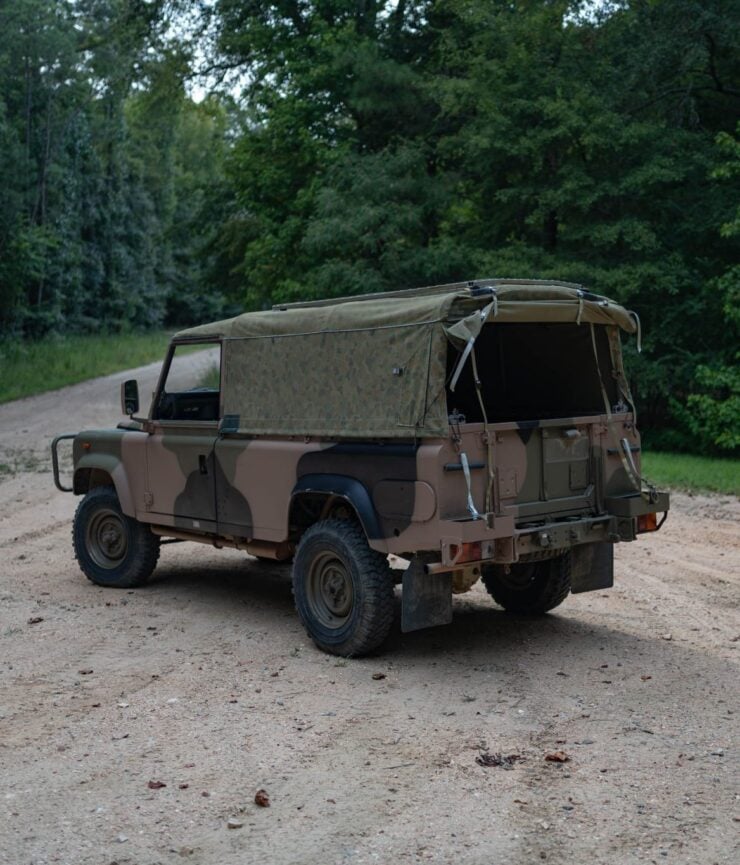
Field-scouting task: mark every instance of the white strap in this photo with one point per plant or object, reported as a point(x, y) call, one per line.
point(466, 471)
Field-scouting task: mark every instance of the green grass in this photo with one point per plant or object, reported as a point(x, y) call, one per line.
point(34, 367)
point(687, 472)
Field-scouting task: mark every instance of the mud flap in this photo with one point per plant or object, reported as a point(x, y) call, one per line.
point(591, 567)
point(426, 600)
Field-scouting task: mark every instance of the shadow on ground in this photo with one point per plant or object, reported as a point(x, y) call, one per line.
point(257, 594)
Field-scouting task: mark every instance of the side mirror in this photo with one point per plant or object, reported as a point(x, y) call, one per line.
point(130, 397)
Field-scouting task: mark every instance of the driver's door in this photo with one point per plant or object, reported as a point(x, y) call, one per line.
point(183, 427)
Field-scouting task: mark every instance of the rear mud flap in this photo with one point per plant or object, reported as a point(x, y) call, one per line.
point(591, 567)
point(426, 600)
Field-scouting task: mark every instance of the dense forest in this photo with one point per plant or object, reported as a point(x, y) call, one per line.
point(164, 162)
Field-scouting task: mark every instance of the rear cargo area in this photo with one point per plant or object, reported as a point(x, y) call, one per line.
point(541, 388)
point(531, 372)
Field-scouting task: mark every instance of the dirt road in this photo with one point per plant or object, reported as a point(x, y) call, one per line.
point(205, 682)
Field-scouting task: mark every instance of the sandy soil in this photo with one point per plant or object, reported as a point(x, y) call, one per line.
point(205, 682)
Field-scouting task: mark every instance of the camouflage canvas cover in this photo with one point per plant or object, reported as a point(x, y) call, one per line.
point(374, 365)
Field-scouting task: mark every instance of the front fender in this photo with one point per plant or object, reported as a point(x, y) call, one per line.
point(101, 452)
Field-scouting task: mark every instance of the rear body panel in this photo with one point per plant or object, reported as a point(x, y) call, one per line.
point(553, 468)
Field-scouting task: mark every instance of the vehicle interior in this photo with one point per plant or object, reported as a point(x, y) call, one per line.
point(533, 371)
point(192, 391)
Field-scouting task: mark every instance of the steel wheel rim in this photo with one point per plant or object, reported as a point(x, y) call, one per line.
point(330, 591)
point(106, 538)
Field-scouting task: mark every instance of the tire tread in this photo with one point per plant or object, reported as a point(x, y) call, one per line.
point(550, 587)
point(377, 615)
point(143, 545)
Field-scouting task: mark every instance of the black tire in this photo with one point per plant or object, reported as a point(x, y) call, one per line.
point(531, 588)
point(343, 590)
point(113, 550)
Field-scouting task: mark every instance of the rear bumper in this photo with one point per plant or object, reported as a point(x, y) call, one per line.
point(637, 505)
point(468, 543)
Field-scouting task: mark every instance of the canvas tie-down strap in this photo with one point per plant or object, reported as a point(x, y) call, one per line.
point(636, 319)
point(645, 488)
point(488, 438)
point(618, 371)
point(468, 329)
point(472, 510)
point(473, 326)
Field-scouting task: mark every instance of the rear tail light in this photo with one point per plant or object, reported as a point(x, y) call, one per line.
point(647, 523)
point(466, 552)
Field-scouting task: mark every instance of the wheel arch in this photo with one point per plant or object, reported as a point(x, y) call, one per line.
point(324, 490)
point(101, 471)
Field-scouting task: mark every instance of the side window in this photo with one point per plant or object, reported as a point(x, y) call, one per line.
point(192, 388)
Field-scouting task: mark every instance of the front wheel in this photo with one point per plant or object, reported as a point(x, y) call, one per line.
point(113, 550)
point(343, 589)
point(531, 588)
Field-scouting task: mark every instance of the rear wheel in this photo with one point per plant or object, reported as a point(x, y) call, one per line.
point(112, 549)
point(343, 589)
point(531, 588)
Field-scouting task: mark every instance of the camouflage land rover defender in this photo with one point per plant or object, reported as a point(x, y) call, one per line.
point(477, 430)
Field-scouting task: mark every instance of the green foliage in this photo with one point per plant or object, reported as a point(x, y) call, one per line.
point(211, 377)
point(372, 225)
point(713, 416)
point(100, 226)
point(362, 146)
point(729, 169)
point(389, 145)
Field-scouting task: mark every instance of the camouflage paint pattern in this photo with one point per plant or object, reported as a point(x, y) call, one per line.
point(551, 479)
point(116, 457)
point(418, 493)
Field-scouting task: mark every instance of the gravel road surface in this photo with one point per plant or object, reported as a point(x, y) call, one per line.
point(134, 725)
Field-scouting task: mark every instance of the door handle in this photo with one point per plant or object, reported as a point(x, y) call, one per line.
point(203, 464)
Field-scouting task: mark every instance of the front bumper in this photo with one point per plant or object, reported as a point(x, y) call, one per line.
point(55, 460)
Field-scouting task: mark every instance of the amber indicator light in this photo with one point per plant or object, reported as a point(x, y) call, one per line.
point(647, 523)
point(466, 552)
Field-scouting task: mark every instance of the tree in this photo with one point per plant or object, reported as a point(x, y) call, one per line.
point(378, 145)
point(387, 145)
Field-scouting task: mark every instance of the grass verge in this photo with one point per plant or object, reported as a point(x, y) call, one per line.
point(693, 473)
point(35, 367)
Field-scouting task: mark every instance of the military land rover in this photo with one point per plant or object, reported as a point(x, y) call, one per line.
point(476, 430)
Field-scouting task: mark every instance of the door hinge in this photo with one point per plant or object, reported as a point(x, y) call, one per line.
point(148, 500)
